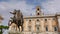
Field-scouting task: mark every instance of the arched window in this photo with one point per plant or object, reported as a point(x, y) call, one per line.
point(29, 20)
point(38, 9)
point(37, 22)
point(37, 19)
point(45, 19)
point(38, 14)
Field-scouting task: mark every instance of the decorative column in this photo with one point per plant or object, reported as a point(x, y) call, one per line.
point(58, 18)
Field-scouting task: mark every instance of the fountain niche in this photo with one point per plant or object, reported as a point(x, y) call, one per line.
point(16, 23)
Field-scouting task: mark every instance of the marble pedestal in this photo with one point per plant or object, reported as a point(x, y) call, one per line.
point(14, 32)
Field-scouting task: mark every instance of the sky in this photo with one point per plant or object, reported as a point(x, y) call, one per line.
point(27, 7)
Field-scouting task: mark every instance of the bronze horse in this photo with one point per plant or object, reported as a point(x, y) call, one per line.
point(17, 18)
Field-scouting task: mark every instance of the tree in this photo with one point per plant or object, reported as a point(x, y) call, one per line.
point(3, 27)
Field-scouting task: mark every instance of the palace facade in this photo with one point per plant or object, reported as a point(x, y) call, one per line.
point(40, 23)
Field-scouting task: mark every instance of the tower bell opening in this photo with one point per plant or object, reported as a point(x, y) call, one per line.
point(38, 11)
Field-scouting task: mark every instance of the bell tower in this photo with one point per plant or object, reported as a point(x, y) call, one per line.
point(38, 11)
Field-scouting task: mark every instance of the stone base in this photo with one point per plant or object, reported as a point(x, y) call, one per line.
point(40, 32)
point(14, 32)
point(17, 32)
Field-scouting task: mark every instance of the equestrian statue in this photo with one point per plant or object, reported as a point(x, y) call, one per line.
point(17, 19)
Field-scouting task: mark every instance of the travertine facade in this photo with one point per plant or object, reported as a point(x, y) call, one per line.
point(41, 24)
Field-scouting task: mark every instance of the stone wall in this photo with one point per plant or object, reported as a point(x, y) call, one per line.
point(51, 23)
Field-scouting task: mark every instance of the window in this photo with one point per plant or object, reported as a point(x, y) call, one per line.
point(38, 9)
point(37, 13)
point(46, 28)
point(55, 28)
point(29, 27)
point(37, 19)
point(29, 20)
point(37, 22)
point(45, 19)
point(37, 29)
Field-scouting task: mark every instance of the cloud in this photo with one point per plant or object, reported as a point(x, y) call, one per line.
point(51, 6)
point(6, 7)
point(19, 5)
